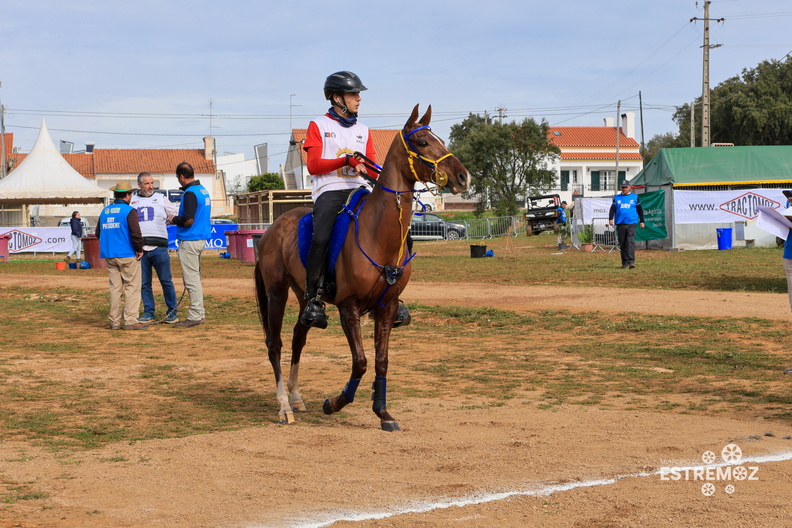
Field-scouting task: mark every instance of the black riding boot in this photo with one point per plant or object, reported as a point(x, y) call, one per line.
point(403, 317)
point(314, 314)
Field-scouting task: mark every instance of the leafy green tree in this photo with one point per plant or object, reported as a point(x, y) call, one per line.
point(752, 109)
point(508, 161)
point(661, 141)
point(270, 181)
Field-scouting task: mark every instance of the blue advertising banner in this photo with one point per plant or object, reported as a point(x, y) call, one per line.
point(217, 241)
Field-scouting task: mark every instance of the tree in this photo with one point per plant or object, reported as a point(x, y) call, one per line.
point(752, 109)
point(507, 161)
point(270, 181)
point(661, 141)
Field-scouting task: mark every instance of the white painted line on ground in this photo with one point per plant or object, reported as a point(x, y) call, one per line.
point(481, 498)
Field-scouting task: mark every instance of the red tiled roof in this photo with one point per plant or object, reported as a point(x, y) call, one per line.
point(382, 140)
point(600, 155)
point(581, 136)
point(134, 161)
point(82, 163)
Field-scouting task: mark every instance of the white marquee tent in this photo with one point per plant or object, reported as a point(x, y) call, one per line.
point(45, 177)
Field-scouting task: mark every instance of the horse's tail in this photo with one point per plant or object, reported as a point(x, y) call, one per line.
point(261, 300)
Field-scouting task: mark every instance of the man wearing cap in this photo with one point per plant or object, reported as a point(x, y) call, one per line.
point(626, 213)
point(121, 245)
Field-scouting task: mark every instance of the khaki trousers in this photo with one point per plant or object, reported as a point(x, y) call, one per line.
point(124, 275)
point(190, 260)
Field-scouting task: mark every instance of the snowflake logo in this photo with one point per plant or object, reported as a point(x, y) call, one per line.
point(740, 473)
point(708, 457)
point(731, 453)
point(730, 489)
point(708, 489)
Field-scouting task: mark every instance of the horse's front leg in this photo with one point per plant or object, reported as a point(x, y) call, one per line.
point(383, 318)
point(349, 313)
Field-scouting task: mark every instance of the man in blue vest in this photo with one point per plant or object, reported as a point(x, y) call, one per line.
point(626, 213)
point(121, 245)
point(193, 228)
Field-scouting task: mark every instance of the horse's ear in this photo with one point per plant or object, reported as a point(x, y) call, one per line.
point(413, 117)
point(427, 116)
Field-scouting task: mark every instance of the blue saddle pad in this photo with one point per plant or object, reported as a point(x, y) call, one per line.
point(340, 230)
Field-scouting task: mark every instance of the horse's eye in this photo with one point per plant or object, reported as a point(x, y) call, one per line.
point(423, 143)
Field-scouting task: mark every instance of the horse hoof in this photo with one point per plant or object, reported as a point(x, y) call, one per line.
point(285, 418)
point(390, 426)
point(326, 407)
point(298, 406)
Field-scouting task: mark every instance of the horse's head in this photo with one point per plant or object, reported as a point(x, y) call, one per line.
point(429, 159)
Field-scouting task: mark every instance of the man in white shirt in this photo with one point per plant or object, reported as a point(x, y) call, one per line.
point(155, 211)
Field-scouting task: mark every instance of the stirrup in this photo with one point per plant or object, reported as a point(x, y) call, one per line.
point(314, 314)
point(403, 317)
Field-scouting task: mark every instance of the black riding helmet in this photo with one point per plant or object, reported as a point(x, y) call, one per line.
point(342, 82)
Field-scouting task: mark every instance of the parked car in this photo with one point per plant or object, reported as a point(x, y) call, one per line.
point(222, 221)
point(429, 226)
point(87, 230)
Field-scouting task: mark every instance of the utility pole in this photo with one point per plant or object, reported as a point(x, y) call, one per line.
point(618, 138)
point(705, 90)
point(290, 110)
point(643, 145)
point(693, 124)
point(500, 111)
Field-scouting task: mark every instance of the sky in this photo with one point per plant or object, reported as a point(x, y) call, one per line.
point(166, 73)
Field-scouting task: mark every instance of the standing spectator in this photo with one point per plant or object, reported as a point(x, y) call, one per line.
point(76, 233)
point(154, 212)
point(626, 212)
point(192, 229)
point(121, 245)
point(788, 254)
point(560, 225)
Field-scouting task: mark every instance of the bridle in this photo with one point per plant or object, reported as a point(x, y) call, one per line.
point(439, 178)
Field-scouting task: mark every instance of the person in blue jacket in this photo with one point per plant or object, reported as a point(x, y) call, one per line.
point(193, 228)
point(121, 245)
point(788, 258)
point(626, 214)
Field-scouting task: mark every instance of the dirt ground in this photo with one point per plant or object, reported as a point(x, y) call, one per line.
point(510, 466)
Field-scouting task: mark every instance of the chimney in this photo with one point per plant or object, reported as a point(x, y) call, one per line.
point(209, 148)
point(89, 146)
point(609, 122)
point(628, 124)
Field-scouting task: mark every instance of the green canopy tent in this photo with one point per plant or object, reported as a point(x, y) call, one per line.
point(710, 169)
point(705, 166)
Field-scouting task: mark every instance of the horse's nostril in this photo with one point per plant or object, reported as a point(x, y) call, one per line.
point(462, 178)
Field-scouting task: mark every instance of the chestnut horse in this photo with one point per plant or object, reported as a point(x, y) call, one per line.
point(371, 271)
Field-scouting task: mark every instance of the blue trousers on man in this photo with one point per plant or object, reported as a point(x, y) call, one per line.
point(158, 260)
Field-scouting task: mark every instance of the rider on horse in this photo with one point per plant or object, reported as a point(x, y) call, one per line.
point(330, 144)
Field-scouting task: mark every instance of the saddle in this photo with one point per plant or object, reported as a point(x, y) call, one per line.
point(340, 230)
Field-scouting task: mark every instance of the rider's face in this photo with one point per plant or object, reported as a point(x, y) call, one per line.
point(352, 101)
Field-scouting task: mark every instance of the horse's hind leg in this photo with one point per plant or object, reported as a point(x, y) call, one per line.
point(276, 301)
point(298, 343)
